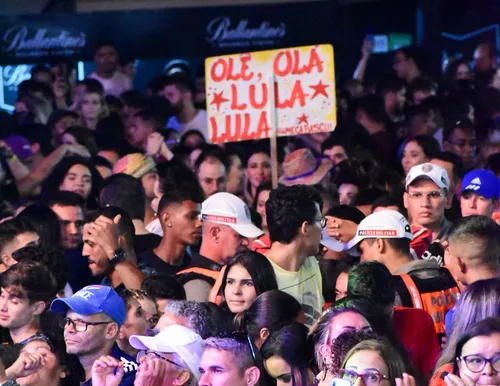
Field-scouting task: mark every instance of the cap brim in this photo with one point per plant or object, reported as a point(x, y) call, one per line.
point(247, 230)
point(350, 247)
point(325, 166)
point(424, 176)
point(330, 242)
point(140, 342)
point(76, 304)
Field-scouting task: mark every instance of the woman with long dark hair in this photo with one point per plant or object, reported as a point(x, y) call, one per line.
point(269, 312)
point(287, 356)
point(75, 174)
point(247, 275)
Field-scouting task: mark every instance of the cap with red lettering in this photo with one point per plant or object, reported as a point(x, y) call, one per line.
point(227, 209)
point(385, 224)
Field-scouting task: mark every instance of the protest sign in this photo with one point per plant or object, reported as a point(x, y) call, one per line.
point(242, 104)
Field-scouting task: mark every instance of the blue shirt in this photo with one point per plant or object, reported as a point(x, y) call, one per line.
point(129, 366)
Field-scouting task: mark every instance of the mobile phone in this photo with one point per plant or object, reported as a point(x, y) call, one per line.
point(340, 382)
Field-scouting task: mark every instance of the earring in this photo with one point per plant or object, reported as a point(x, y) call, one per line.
point(169, 225)
point(63, 375)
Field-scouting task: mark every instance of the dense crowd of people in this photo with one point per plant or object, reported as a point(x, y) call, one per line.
point(135, 253)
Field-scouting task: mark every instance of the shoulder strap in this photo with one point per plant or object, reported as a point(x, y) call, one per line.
point(202, 271)
point(413, 290)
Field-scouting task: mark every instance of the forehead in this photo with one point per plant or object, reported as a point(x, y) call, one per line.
point(412, 145)
point(238, 271)
point(106, 50)
point(258, 157)
point(76, 316)
point(212, 167)
point(463, 132)
point(68, 212)
point(367, 359)
point(423, 183)
point(79, 169)
point(35, 345)
point(214, 357)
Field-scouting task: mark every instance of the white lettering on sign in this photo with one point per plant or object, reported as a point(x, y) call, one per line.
point(19, 38)
point(220, 30)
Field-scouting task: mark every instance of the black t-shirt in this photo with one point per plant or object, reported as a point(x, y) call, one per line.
point(143, 243)
point(150, 263)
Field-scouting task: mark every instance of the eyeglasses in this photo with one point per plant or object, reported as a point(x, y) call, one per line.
point(477, 363)
point(321, 220)
point(242, 338)
point(370, 378)
point(149, 355)
point(432, 195)
point(79, 325)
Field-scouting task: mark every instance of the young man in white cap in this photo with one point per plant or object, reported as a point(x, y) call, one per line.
point(426, 198)
point(385, 237)
point(226, 225)
point(480, 191)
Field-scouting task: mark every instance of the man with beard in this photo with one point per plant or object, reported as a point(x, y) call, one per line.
point(109, 246)
point(106, 60)
point(178, 90)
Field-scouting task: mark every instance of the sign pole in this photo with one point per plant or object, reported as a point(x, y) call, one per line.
point(274, 131)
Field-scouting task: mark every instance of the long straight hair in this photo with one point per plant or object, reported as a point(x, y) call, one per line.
point(479, 301)
point(259, 268)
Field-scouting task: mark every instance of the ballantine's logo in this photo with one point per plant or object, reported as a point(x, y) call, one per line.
point(219, 30)
point(14, 75)
point(20, 38)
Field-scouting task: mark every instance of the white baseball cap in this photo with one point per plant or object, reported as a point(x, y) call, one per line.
point(227, 209)
point(385, 224)
point(174, 339)
point(430, 171)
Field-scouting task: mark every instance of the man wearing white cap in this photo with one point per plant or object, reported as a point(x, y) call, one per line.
point(385, 237)
point(226, 225)
point(426, 198)
point(170, 358)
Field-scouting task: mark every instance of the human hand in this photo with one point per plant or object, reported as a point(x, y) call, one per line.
point(25, 365)
point(366, 47)
point(406, 380)
point(80, 150)
point(104, 232)
point(107, 371)
point(463, 380)
point(342, 230)
point(155, 142)
point(150, 373)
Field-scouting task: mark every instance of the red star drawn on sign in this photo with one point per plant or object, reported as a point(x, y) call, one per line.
point(218, 99)
point(303, 119)
point(320, 88)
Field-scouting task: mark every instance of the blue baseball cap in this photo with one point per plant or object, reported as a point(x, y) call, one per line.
point(91, 300)
point(483, 182)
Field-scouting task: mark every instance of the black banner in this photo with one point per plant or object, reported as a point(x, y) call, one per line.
point(200, 32)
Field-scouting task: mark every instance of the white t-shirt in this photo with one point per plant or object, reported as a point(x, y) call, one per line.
point(155, 227)
point(115, 85)
point(199, 122)
point(305, 286)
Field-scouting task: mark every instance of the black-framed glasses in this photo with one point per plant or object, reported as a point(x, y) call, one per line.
point(80, 325)
point(370, 378)
point(242, 338)
point(149, 355)
point(477, 363)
